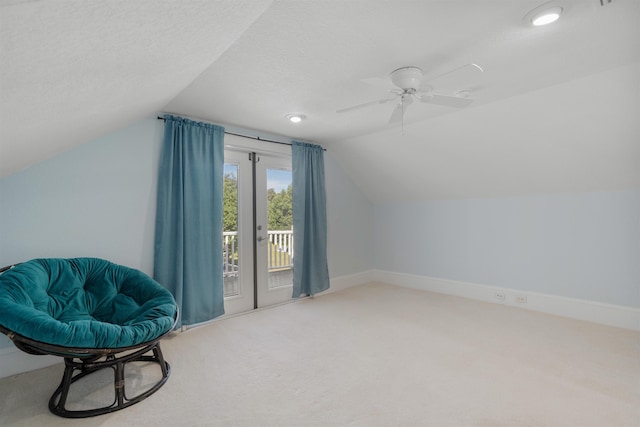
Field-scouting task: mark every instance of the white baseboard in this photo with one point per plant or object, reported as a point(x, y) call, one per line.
point(344, 282)
point(591, 311)
point(14, 361)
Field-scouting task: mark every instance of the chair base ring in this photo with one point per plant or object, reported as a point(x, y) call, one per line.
point(79, 367)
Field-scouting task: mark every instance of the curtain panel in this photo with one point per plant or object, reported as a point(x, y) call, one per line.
point(310, 268)
point(188, 235)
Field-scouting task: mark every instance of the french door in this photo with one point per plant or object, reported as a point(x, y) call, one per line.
point(258, 234)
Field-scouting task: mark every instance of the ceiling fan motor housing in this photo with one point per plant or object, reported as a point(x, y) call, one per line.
point(407, 77)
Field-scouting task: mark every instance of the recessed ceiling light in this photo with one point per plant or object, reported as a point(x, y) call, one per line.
point(546, 16)
point(295, 118)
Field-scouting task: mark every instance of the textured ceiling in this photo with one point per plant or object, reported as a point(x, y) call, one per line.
point(71, 70)
point(555, 110)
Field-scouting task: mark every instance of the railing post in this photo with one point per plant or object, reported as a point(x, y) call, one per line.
point(228, 251)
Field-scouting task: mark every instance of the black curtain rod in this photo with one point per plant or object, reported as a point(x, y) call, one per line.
point(248, 136)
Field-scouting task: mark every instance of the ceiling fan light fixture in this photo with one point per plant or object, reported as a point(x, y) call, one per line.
point(295, 117)
point(407, 77)
point(547, 16)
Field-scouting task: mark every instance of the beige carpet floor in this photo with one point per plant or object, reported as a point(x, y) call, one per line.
point(374, 355)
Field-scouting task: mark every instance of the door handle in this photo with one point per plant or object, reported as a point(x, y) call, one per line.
point(260, 238)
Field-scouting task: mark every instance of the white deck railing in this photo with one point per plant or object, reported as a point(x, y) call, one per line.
point(280, 255)
point(229, 253)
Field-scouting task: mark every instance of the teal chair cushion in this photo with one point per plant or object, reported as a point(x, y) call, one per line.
point(84, 303)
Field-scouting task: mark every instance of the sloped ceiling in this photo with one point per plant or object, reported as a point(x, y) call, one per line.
point(554, 111)
point(72, 70)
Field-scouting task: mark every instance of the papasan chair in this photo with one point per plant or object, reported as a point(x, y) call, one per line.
point(93, 313)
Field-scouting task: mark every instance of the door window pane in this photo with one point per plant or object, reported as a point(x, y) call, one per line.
point(230, 252)
point(280, 228)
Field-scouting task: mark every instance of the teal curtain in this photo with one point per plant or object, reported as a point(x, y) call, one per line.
point(310, 269)
point(188, 239)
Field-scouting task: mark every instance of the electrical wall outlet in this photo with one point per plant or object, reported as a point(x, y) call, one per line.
point(500, 296)
point(521, 299)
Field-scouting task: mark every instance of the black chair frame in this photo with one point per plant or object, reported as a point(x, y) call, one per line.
point(80, 362)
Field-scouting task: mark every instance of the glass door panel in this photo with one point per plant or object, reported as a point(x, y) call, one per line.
point(237, 236)
point(230, 257)
point(263, 234)
point(280, 228)
point(275, 244)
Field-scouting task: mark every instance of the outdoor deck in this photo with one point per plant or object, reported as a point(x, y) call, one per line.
point(280, 260)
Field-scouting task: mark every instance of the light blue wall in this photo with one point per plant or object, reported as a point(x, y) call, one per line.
point(97, 199)
point(350, 223)
point(584, 246)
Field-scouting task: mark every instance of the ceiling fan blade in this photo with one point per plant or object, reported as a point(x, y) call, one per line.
point(445, 100)
point(466, 75)
point(366, 104)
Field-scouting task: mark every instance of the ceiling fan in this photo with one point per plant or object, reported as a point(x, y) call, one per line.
point(409, 87)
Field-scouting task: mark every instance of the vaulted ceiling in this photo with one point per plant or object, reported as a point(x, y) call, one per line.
point(555, 110)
